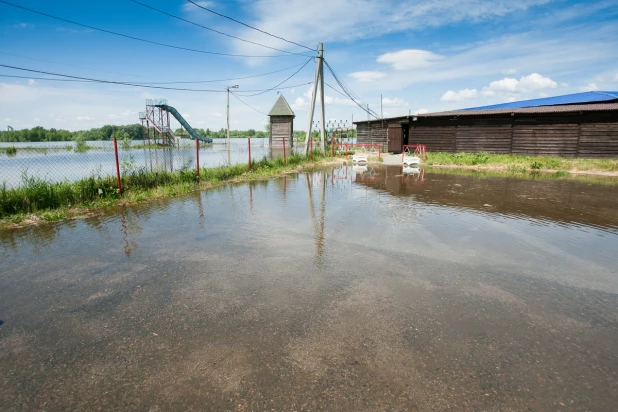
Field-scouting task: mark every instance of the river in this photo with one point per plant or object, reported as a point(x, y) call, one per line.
point(343, 289)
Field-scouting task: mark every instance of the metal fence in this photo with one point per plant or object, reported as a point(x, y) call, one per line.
point(73, 161)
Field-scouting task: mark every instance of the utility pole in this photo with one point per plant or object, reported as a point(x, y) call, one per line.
point(228, 111)
point(319, 79)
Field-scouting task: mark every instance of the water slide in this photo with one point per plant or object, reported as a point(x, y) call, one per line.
point(187, 126)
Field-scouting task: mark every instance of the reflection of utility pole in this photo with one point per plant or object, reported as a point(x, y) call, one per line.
point(228, 110)
point(318, 227)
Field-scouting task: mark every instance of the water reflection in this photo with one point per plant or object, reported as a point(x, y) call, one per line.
point(355, 279)
point(561, 201)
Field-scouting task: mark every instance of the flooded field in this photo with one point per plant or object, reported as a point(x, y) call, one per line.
point(345, 289)
point(58, 161)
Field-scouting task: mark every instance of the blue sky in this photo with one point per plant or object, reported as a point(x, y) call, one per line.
point(420, 55)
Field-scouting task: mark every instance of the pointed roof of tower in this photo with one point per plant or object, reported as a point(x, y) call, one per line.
point(281, 108)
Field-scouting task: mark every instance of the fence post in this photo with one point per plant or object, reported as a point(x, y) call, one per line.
point(249, 144)
point(117, 165)
point(285, 162)
point(197, 158)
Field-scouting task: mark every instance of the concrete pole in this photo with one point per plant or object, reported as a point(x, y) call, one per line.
point(313, 95)
point(228, 115)
point(321, 62)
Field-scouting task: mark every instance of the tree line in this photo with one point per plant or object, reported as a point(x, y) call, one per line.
point(131, 132)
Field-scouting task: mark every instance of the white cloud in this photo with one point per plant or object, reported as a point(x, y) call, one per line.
point(85, 118)
point(346, 20)
point(508, 84)
point(217, 114)
point(188, 7)
point(299, 103)
point(409, 59)
point(186, 115)
point(451, 96)
point(535, 81)
point(395, 102)
point(293, 91)
point(509, 71)
point(589, 88)
point(367, 76)
point(616, 78)
point(511, 85)
point(421, 111)
point(31, 82)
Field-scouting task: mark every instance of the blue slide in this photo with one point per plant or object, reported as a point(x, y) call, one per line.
point(187, 126)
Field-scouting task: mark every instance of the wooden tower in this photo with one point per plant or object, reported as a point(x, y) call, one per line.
point(281, 124)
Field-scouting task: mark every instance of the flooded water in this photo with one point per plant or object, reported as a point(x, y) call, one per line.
point(57, 161)
point(345, 289)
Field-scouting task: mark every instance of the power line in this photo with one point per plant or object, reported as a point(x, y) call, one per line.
point(246, 25)
point(43, 78)
point(225, 80)
point(213, 30)
point(273, 88)
point(82, 67)
point(91, 80)
point(349, 92)
point(155, 83)
point(247, 104)
point(132, 37)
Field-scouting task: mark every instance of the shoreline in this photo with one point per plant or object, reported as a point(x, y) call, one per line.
point(137, 196)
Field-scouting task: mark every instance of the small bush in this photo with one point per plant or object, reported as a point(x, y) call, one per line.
point(536, 165)
point(480, 158)
point(80, 144)
point(11, 151)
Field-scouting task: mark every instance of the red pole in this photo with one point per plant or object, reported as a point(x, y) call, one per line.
point(117, 166)
point(285, 162)
point(197, 158)
point(249, 144)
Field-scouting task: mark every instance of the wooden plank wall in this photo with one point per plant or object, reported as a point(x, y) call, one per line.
point(545, 140)
point(281, 131)
point(436, 138)
point(598, 140)
point(593, 134)
point(490, 139)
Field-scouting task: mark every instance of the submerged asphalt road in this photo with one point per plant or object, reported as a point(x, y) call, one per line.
point(339, 290)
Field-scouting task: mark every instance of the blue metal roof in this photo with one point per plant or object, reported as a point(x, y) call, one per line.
point(585, 97)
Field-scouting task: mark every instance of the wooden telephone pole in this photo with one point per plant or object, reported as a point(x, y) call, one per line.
point(319, 79)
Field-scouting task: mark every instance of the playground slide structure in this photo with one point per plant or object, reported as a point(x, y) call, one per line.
point(194, 135)
point(156, 118)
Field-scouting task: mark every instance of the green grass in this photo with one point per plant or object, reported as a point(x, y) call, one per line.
point(10, 151)
point(37, 199)
point(521, 162)
point(516, 172)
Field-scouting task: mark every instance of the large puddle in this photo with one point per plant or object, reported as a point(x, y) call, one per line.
point(342, 289)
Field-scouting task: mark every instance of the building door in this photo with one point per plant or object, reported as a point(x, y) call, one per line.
point(395, 138)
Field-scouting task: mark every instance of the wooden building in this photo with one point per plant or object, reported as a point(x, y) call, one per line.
point(580, 125)
point(281, 124)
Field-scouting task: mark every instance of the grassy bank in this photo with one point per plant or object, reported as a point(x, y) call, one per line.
point(37, 200)
point(515, 163)
point(487, 173)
